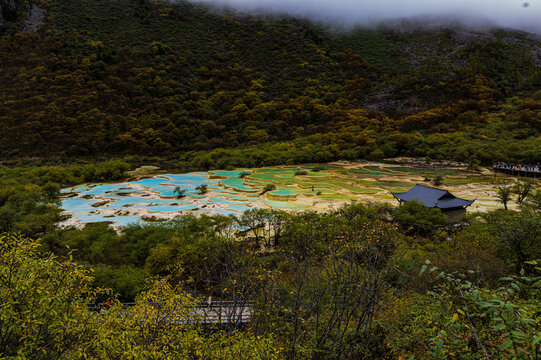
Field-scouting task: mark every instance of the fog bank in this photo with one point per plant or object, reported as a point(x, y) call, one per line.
point(503, 13)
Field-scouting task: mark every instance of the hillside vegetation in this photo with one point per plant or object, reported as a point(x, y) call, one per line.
point(106, 86)
point(347, 284)
point(114, 78)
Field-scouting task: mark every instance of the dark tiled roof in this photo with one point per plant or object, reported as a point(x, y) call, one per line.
point(453, 202)
point(432, 197)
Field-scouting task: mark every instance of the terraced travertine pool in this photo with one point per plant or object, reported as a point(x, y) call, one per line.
point(317, 187)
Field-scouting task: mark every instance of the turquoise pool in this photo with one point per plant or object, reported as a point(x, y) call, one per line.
point(131, 202)
point(283, 191)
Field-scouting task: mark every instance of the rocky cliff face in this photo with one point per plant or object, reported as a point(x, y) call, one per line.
point(8, 11)
point(35, 18)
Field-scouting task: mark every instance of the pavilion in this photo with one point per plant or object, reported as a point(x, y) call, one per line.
point(450, 205)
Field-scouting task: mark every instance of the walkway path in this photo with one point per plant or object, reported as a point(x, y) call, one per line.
point(523, 170)
point(225, 313)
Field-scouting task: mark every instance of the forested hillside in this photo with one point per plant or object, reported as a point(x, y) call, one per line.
point(114, 78)
point(91, 90)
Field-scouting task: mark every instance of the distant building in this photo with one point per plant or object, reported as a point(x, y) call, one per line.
point(450, 205)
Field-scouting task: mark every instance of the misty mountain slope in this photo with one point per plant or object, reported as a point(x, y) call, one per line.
point(122, 76)
point(265, 44)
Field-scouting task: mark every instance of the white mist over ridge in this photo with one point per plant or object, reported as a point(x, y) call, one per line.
point(502, 13)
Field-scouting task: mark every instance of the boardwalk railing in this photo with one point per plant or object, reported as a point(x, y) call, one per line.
point(224, 312)
point(231, 314)
point(533, 171)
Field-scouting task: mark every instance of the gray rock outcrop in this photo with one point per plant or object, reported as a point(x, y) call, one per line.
point(35, 18)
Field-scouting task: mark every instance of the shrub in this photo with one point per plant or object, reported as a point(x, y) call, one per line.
point(267, 188)
point(179, 192)
point(416, 218)
point(438, 180)
point(203, 189)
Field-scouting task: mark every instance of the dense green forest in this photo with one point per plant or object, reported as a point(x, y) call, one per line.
point(360, 282)
point(107, 86)
point(363, 281)
point(113, 78)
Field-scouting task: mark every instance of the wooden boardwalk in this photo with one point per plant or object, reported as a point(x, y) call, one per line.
point(225, 313)
point(518, 172)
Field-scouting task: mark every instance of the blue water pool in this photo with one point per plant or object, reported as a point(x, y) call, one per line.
point(283, 191)
point(236, 183)
point(216, 200)
point(284, 205)
point(241, 208)
point(102, 189)
point(122, 203)
point(78, 204)
point(121, 220)
point(171, 208)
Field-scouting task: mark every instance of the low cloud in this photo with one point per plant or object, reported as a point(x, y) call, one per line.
point(505, 13)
